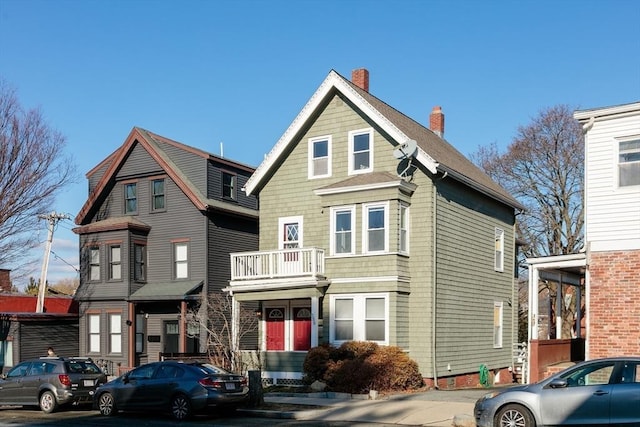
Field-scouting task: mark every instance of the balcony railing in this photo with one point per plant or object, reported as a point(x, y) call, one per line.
point(283, 263)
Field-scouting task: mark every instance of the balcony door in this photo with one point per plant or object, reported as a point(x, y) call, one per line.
point(290, 232)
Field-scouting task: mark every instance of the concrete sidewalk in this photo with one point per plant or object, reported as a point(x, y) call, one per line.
point(432, 408)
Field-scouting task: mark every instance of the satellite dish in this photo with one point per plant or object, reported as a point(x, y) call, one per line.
point(405, 150)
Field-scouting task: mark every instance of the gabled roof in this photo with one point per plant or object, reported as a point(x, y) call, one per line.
point(152, 144)
point(434, 153)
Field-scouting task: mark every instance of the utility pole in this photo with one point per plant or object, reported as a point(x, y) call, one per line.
point(52, 220)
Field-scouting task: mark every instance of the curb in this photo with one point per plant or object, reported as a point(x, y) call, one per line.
point(283, 415)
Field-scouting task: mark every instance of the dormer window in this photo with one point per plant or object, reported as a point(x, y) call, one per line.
point(320, 157)
point(360, 151)
point(228, 186)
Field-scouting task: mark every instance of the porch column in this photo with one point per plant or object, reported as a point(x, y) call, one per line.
point(559, 308)
point(182, 345)
point(533, 319)
point(235, 323)
point(314, 321)
point(131, 353)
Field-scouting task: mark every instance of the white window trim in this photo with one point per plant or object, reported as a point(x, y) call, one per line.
point(91, 332)
point(288, 220)
point(332, 237)
point(288, 306)
point(310, 167)
point(404, 208)
point(179, 262)
point(115, 333)
point(499, 332)
point(616, 164)
point(498, 263)
point(352, 134)
point(359, 316)
point(365, 227)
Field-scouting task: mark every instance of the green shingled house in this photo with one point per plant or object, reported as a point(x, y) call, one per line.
point(373, 227)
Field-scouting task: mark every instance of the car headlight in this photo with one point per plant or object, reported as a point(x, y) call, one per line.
point(490, 395)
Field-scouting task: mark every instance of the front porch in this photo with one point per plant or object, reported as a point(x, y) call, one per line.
point(553, 339)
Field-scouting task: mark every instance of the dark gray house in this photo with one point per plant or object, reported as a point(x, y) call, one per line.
point(155, 236)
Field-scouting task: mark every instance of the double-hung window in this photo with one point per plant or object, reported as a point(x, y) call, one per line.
point(131, 198)
point(497, 324)
point(115, 333)
point(115, 262)
point(157, 195)
point(181, 260)
point(139, 262)
point(375, 227)
point(498, 262)
point(228, 185)
point(94, 263)
point(359, 317)
point(403, 230)
point(360, 151)
point(93, 325)
point(343, 230)
point(319, 157)
point(629, 162)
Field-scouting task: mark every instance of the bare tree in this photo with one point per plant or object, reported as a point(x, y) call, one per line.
point(215, 317)
point(33, 170)
point(544, 168)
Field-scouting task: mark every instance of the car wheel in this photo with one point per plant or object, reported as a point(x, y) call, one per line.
point(514, 416)
point(180, 407)
point(48, 402)
point(107, 405)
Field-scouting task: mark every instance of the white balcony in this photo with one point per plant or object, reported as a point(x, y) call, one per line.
point(278, 264)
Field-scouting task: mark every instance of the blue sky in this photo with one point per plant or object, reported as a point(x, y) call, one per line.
point(238, 72)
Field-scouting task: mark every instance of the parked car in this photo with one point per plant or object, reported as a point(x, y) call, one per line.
point(49, 382)
point(181, 389)
point(596, 392)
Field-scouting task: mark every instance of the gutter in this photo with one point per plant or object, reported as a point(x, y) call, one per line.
point(434, 288)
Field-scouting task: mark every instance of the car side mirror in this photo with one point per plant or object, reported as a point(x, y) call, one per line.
point(559, 383)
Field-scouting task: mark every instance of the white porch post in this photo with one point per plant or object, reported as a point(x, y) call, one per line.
point(532, 330)
point(559, 307)
point(235, 324)
point(314, 321)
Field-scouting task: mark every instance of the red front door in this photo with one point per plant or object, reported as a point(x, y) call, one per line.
point(275, 328)
point(301, 328)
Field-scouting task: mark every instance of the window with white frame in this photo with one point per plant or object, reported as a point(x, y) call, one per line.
point(290, 232)
point(181, 260)
point(360, 151)
point(498, 263)
point(94, 263)
point(403, 229)
point(93, 324)
point(319, 157)
point(343, 234)
point(375, 226)
point(359, 317)
point(115, 262)
point(115, 333)
point(497, 324)
point(629, 162)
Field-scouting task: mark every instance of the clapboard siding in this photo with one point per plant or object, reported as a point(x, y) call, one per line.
point(214, 184)
point(606, 225)
point(467, 284)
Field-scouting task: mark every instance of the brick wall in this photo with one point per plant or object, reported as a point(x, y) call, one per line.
point(614, 318)
point(5, 280)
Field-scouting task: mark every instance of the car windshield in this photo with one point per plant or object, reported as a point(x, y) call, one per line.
point(82, 367)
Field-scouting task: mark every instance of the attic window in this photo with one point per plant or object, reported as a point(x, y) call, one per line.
point(320, 157)
point(360, 151)
point(131, 198)
point(228, 186)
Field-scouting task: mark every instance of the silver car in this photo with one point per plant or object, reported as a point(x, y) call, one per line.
point(596, 392)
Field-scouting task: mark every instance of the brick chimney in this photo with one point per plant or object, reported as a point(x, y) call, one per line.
point(360, 78)
point(436, 121)
point(5, 280)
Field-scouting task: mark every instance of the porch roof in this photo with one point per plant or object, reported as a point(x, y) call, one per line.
point(167, 291)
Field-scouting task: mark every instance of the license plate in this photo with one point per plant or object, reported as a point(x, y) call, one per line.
point(230, 386)
point(88, 383)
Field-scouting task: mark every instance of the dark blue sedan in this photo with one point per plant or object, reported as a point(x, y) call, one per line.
point(181, 389)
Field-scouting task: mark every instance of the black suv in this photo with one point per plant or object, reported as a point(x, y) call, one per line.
point(51, 381)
